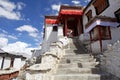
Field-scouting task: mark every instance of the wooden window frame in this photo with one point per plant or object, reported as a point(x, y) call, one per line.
point(117, 14)
point(89, 15)
point(107, 36)
point(100, 5)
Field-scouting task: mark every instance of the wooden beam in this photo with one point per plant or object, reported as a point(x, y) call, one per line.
point(12, 62)
point(100, 37)
point(79, 26)
point(109, 32)
point(2, 62)
point(65, 26)
point(90, 41)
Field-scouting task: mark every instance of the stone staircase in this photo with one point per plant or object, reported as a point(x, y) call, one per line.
point(77, 64)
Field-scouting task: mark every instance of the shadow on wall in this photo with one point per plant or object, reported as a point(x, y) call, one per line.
point(53, 37)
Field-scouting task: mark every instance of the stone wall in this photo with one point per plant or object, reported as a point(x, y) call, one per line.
point(49, 61)
point(110, 61)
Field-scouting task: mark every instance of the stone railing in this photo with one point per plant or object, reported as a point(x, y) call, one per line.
point(110, 61)
point(49, 61)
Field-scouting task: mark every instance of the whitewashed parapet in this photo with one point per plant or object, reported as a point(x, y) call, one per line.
point(64, 40)
point(49, 61)
point(58, 48)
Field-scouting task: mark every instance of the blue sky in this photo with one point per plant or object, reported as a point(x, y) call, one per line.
point(21, 21)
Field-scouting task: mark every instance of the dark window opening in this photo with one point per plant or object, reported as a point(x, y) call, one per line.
point(100, 6)
point(55, 28)
point(117, 14)
point(89, 14)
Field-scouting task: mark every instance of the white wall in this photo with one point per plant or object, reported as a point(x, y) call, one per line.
point(115, 36)
point(51, 36)
point(114, 6)
point(22, 63)
point(95, 47)
point(7, 62)
point(17, 63)
point(60, 31)
point(85, 19)
point(1, 58)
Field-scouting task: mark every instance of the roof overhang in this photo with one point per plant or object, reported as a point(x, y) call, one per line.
point(51, 19)
point(102, 21)
point(71, 12)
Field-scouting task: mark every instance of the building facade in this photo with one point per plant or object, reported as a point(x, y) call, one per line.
point(10, 65)
point(101, 21)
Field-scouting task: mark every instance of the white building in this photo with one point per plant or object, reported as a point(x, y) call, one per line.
point(52, 29)
point(8, 60)
point(100, 22)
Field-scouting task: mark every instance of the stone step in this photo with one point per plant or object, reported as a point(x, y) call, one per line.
point(88, 64)
point(71, 65)
point(77, 56)
point(78, 71)
point(82, 54)
point(79, 65)
point(80, 77)
point(76, 60)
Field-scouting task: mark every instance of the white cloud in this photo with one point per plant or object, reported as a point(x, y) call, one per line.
point(76, 2)
point(5, 34)
point(12, 37)
point(3, 41)
point(87, 1)
point(20, 5)
point(32, 31)
point(55, 7)
point(18, 47)
point(33, 34)
point(9, 10)
point(27, 28)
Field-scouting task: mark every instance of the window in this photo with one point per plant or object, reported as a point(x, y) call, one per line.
point(117, 14)
point(104, 33)
point(89, 14)
point(55, 28)
point(100, 5)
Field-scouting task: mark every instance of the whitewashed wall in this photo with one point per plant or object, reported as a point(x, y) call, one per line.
point(114, 6)
point(22, 63)
point(7, 62)
point(17, 63)
point(85, 19)
point(95, 47)
point(60, 31)
point(50, 36)
point(1, 58)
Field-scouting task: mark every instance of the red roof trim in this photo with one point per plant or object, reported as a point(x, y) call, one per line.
point(71, 12)
point(51, 21)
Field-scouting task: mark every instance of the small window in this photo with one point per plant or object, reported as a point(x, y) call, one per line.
point(100, 6)
point(55, 28)
point(117, 14)
point(89, 14)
